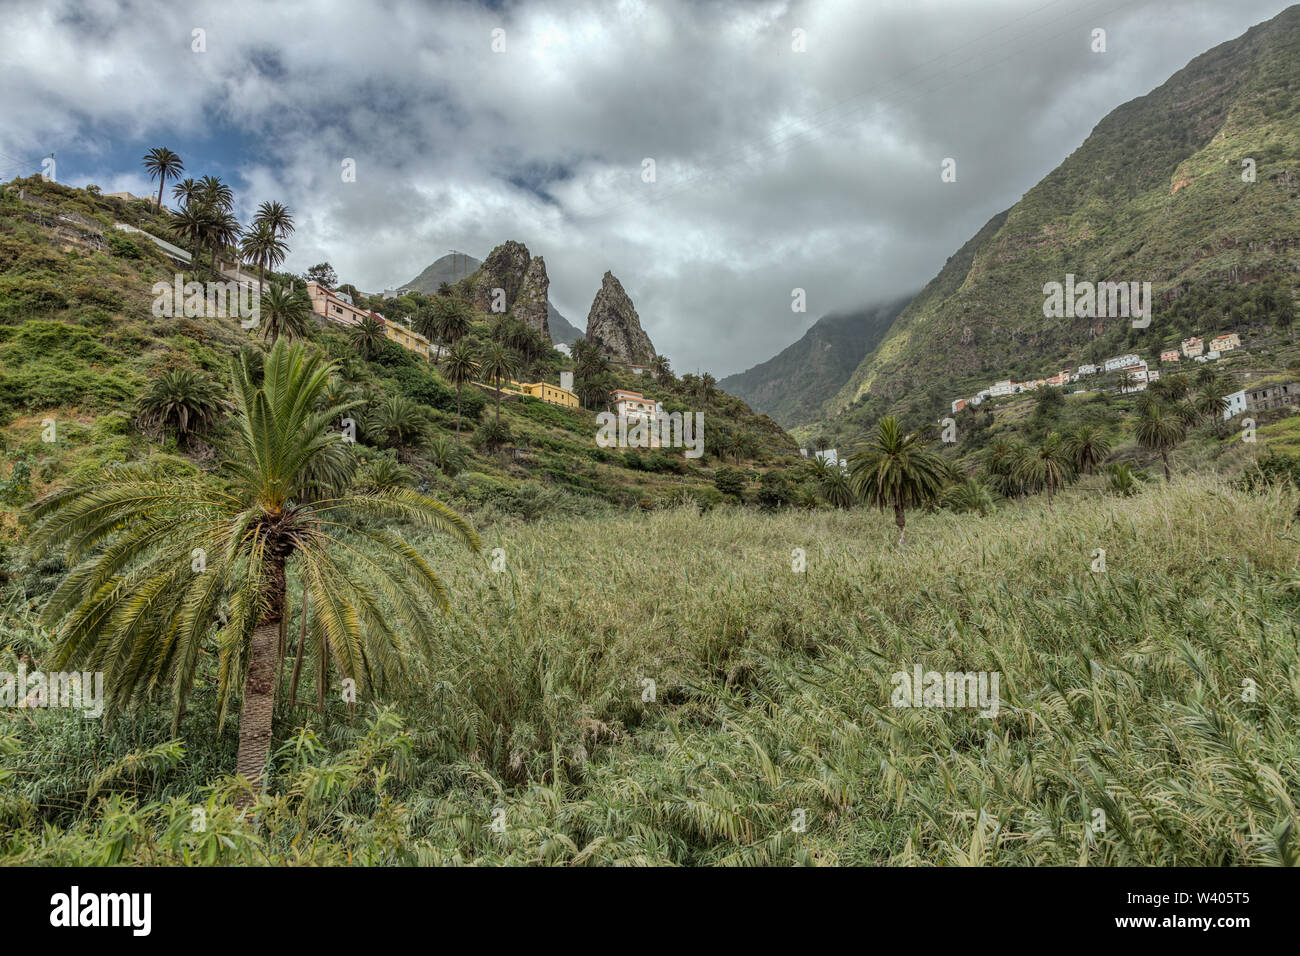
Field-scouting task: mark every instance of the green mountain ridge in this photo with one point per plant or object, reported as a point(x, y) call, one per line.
point(1155, 193)
point(794, 384)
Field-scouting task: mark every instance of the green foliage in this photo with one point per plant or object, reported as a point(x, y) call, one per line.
point(730, 482)
point(774, 491)
point(121, 246)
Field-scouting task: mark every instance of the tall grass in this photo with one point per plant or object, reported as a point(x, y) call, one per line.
point(1147, 714)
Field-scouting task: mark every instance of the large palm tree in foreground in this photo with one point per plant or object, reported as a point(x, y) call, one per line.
point(162, 568)
point(896, 470)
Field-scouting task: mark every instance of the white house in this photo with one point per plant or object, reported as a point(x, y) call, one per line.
point(831, 457)
point(1005, 387)
point(1121, 361)
point(1236, 404)
point(1087, 370)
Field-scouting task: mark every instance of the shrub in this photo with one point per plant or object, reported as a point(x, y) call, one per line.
point(730, 482)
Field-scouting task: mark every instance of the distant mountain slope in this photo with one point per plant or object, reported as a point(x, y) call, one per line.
point(793, 385)
point(1155, 193)
point(453, 267)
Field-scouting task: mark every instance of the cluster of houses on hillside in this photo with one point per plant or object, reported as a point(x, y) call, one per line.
point(1137, 374)
point(338, 307)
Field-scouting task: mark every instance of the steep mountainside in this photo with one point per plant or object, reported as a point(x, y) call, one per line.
point(1158, 192)
point(793, 386)
point(453, 267)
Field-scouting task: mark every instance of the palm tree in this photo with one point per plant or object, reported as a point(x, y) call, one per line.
point(186, 191)
point(497, 363)
point(1284, 318)
point(1047, 466)
point(1123, 479)
point(368, 336)
point(221, 231)
point(263, 248)
point(1087, 448)
point(896, 470)
point(708, 386)
point(191, 222)
point(182, 400)
point(969, 495)
point(448, 456)
point(138, 605)
point(162, 164)
point(1160, 430)
point(836, 487)
point(461, 367)
point(1000, 468)
point(594, 390)
point(397, 422)
point(276, 215)
point(285, 310)
point(216, 194)
point(661, 368)
point(450, 321)
point(1212, 401)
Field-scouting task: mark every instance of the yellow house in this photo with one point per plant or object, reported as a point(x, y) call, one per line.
point(551, 393)
point(406, 338)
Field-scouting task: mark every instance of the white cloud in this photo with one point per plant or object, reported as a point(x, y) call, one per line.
point(776, 169)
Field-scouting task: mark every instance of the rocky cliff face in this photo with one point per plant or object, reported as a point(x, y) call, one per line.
point(523, 278)
point(613, 325)
point(530, 306)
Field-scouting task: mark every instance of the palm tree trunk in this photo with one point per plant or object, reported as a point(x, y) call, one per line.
point(900, 519)
point(302, 644)
point(458, 388)
point(1164, 457)
point(259, 683)
point(161, 183)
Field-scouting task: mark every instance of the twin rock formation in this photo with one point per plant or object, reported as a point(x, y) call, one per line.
point(612, 323)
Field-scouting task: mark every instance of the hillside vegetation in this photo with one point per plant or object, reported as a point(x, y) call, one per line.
point(79, 346)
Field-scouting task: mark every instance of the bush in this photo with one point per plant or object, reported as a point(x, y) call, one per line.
point(121, 246)
point(774, 491)
point(730, 482)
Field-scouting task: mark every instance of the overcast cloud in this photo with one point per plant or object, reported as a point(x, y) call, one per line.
point(776, 169)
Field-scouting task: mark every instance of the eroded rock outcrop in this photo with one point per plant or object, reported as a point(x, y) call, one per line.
point(521, 277)
point(613, 325)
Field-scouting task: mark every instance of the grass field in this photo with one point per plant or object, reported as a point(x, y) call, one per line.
point(1147, 713)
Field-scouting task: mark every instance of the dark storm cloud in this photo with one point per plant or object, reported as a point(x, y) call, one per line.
point(776, 169)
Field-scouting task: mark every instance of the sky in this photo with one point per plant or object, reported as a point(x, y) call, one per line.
point(794, 145)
